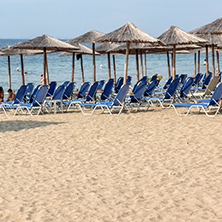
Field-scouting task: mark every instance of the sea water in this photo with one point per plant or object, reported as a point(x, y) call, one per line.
point(60, 67)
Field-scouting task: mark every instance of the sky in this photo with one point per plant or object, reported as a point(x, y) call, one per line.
point(66, 19)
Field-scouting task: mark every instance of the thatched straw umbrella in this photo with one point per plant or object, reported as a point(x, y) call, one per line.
point(176, 36)
point(82, 50)
point(212, 32)
point(104, 49)
point(88, 37)
point(45, 42)
point(10, 51)
point(129, 33)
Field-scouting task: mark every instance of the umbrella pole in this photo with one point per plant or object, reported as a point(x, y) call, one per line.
point(195, 64)
point(145, 64)
point(73, 66)
point(207, 60)
point(141, 63)
point(9, 74)
point(168, 63)
point(213, 61)
point(22, 69)
point(126, 61)
point(198, 66)
point(114, 69)
point(109, 69)
point(46, 70)
point(82, 72)
point(94, 62)
point(174, 62)
point(218, 63)
point(137, 65)
point(44, 66)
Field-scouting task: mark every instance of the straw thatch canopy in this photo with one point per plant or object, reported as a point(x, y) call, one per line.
point(128, 33)
point(86, 38)
point(105, 47)
point(176, 36)
point(82, 50)
point(46, 41)
point(11, 51)
point(214, 27)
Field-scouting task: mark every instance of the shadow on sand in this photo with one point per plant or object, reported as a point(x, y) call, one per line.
point(17, 125)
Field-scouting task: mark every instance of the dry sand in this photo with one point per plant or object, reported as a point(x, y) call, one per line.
point(145, 166)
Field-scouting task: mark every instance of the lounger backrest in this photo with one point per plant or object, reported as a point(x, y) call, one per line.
point(52, 87)
point(58, 95)
point(139, 92)
point(20, 94)
point(69, 90)
point(168, 83)
point(30, 87)
point(183, 78)
point(143, 79)
point(34, 93)
point(107, 90)
point(212, 85)
point(172, 88)
point(186, 87)
point(216, 95)
point(92, 91)
point(40, 95)
point(83, 89)
point(128, 80)
point(118, 84)
point(101, 84)
point(66, 83)
point(150, 88)
point(121, 95)
point(196, 79)
point(153, 78)
point(207, 80)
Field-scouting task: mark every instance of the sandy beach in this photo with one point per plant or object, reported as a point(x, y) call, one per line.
point(144, 166)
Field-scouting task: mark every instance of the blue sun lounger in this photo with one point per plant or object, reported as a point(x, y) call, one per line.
point(107, 107)
point(89, 97)
point(36, 104)
point(206, 105)
point(56, 101)
point(52, 87)
point(169, 95)
point(136, 98)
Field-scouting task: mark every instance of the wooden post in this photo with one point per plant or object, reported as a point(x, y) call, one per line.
point(114, 69)
point(218, 63)
point(198, 66)
point(22, 70)
point(126, 62)
point(141, 63)
point(46, 70)
point(94, 62)
point(213, 61)
point(207, 65)
point(137, 65)
point(109, 68)
point(44, 66)
point(174, 62)
point(145, 73)
point(195, 64)
point(82, 72)
point(73, 66)
point(168, 63)
point(9, 74)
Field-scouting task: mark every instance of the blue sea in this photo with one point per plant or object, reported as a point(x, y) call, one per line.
point(60, 67)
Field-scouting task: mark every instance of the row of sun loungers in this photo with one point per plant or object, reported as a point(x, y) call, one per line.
point(202, 93)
